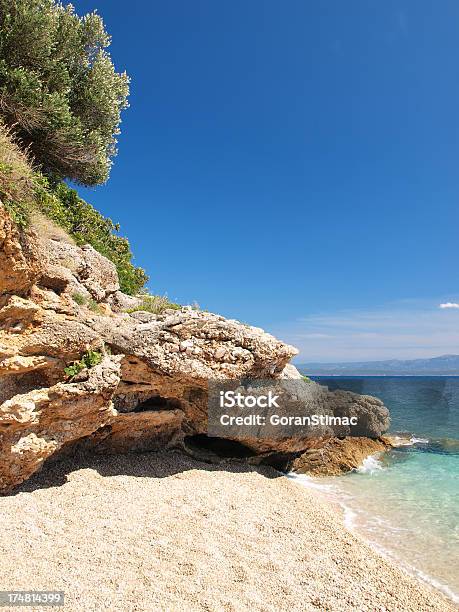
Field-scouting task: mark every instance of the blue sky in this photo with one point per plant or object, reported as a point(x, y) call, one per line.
point(295, 165)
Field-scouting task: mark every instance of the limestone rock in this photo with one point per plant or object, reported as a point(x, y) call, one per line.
point(67, 267)
point(334, 456)
point(139, 431)
point(173, 356)
point(59, 336)
point(290, 373)
point(251, 351)
point(33, 426)
point(18, 363)
point(60, 279)
point(99, 275)
point(120, 302)
point(311, 398)
point(157, 379)
point(18, 314)
point(19, 266)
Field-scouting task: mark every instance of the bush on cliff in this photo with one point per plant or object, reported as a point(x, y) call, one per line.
point(85, 224)
point(60, 105)
point(24, 191)
point(89, 360)
point(156, 304)
point(59, 90)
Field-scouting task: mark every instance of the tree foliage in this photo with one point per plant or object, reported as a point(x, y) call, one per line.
point(59, 90)
point(60, 106)
point(25, 193)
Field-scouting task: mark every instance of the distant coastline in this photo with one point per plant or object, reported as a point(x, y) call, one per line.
point(445, 365)
point(322, 375)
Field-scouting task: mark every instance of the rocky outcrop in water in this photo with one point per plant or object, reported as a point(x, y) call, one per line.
point(57, 301)
point(333, 456)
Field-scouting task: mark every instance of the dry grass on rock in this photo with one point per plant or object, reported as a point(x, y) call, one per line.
point(17, 183)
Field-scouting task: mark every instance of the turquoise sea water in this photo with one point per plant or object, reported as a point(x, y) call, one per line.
point(407, 501)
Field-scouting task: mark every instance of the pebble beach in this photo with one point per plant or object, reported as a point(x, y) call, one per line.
point(165, 532)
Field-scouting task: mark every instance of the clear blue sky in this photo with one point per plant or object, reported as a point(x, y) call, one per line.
point(295, 165)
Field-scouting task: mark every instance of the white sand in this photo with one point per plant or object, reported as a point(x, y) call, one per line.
point(164, 532)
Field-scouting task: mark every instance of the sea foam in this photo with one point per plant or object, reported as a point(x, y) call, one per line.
point(370, 465)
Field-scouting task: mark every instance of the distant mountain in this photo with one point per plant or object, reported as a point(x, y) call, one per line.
point(436, 366)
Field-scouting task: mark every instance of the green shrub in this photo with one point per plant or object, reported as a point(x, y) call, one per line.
point(79, 298)
point(60, 105)
point(27, 193)
point(94, 306)
point(88, 360)
point(155, 304)
point(82, 300)
point(59, 91)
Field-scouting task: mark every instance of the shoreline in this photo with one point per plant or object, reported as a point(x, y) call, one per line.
point(103, 529)
point(348, 515)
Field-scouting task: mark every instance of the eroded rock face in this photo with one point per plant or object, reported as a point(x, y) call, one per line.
point(139, 431)
point(19, 266)
point(307, 399)
point(175, 354)
point(333, 456)
point(196, 345)
point(35, 425)
point(120, 302)
point(57, 301)
point(74, 270)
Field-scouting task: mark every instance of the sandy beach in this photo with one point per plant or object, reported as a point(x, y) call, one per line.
point(164, 532)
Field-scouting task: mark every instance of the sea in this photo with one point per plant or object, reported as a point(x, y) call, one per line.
point(406, 502)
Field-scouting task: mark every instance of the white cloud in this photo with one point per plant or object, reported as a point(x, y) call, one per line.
point(449, 305)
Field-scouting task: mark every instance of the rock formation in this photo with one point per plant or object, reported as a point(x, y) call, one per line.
point(332, 456)
point(36, 424)
point(57, 301)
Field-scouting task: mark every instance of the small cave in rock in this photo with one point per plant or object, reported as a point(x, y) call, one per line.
point(20, 383)
point(58, 285)
point(155, 403)
point(222, 447)
point(282, 462)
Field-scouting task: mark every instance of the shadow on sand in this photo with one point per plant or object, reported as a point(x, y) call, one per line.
point(162, 464)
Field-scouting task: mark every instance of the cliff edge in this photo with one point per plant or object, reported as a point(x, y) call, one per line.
point(82, 366)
